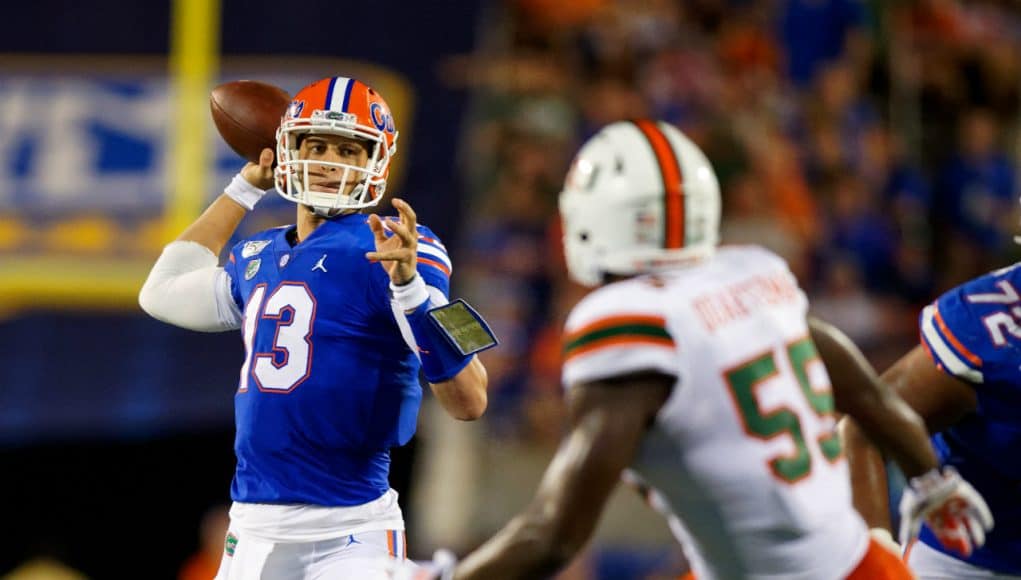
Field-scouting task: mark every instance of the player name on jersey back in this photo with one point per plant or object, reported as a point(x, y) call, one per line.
point(721, 306)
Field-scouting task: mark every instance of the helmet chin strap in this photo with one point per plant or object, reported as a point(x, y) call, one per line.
point(332, 212)
point(328, 213)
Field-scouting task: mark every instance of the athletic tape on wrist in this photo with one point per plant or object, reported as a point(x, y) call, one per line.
point(411, 295)
point(243, 192)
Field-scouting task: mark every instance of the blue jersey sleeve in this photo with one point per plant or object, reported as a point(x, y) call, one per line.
point(973, 331)
point(433, 262)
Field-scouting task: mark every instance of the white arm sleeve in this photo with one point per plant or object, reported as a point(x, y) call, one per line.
point(186, 288)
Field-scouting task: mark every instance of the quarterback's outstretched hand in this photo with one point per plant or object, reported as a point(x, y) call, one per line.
point(398, 251)
point(951, 507)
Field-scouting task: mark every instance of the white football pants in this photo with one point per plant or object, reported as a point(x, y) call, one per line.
point(364, 556)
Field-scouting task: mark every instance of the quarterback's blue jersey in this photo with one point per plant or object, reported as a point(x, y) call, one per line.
point(329, 384)
point(973, 332)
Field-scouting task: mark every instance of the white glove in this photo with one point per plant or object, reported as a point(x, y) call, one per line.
point(243, 192)
point(951, 507)
point(440, 568)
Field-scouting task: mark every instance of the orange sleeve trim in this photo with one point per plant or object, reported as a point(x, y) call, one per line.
point(953, 339)
point(928, 351)
point(438, 265)
point(432, 241)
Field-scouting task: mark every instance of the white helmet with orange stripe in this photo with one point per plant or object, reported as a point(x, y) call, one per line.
point(346, 108)
point(640, 197)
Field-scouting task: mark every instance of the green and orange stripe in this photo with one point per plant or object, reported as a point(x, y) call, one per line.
point(618, 330)
point(673, 194)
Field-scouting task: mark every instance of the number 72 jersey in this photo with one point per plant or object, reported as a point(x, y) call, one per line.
point(973, 332)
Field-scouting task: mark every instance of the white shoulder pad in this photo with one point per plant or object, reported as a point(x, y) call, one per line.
point(614, 331)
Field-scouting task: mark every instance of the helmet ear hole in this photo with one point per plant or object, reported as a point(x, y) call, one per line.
point(583, 236)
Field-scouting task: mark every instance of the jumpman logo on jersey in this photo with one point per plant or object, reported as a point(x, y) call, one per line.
point(351, 540)
point(319, 265)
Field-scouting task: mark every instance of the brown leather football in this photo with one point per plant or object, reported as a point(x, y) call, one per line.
point(247, 114)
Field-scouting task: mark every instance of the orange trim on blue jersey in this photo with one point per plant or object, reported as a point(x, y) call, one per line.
point(925, 346)
point(438, 265)
point(432, 241)
point(953, 339)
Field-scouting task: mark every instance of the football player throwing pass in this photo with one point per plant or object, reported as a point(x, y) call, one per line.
point(338, 313)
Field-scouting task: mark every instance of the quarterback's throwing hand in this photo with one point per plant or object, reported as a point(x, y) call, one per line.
point(954, 511)
point(399, 249)
point(253, 182)
point(260, 174)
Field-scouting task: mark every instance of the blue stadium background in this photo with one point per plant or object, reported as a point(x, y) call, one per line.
point(874, 145)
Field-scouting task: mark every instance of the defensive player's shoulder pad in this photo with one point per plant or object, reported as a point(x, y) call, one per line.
point(608, 300)
point(616, 330)
point(755, 252)
point(975, 328)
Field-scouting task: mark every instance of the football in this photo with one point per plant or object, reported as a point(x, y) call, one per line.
point(247, 114)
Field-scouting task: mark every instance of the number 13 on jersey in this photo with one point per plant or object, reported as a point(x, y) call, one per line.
point(291, 308)
point(744, 381)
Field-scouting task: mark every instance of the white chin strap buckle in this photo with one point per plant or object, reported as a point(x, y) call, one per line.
point(327, 212)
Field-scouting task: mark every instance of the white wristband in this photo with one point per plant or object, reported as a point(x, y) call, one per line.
point(411, 295)
point(246, 194)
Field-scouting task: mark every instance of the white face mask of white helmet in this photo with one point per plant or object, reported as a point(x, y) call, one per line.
point(640, 197)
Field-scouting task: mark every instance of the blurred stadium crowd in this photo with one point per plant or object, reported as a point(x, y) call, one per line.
point(874, 146)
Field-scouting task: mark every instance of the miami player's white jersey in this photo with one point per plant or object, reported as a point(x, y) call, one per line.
point(744, 450)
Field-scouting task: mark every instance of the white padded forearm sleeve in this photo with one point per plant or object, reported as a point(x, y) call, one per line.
point(435, 296)
point(187, 288)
